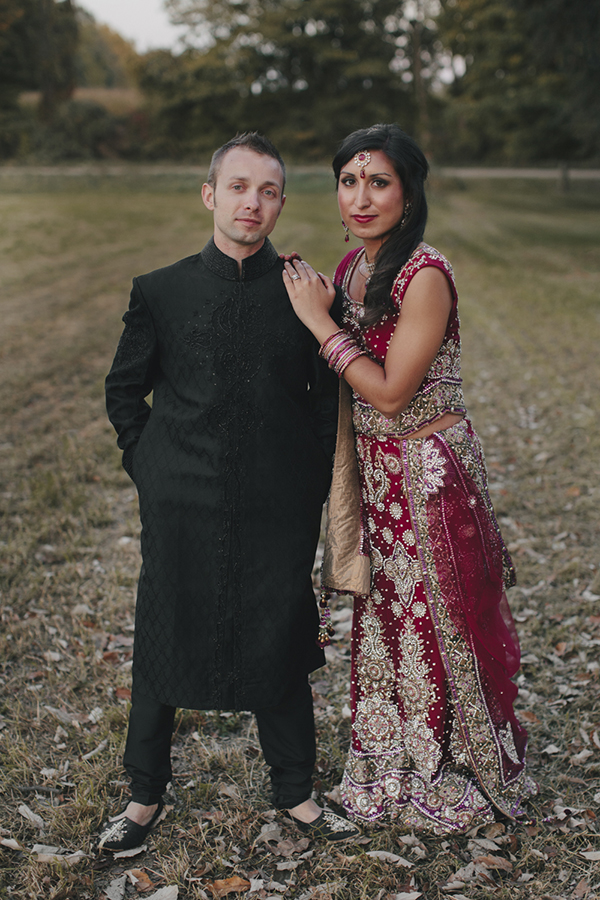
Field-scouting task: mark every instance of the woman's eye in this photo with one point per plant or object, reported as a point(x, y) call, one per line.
point(379, 182)
point(348, 181)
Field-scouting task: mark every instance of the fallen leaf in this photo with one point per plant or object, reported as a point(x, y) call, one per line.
point(222, 887)
point(462, 875)
point(590, 854)
point(384, 856)
point(582, 889)
point(287, 848)
point(66, 859)
point(32, 817)
point(11, 844)
point(122, 693)
point(494, 830)
point(96, 750)
point(229, 790)
point(551, 749)
point(135, 851)
point(482, 844)
point(166, 893)
point(581, 757)
point(573, 491)
point(288, 864)
point(140, 879)
point(213, 815)
point(528, 716)
point(560, 648)
point(269, 832)
point(44, 848)
point(116, 889)
point(404, 895)
point(61, 714)
point(494, 862)
point(409, 839)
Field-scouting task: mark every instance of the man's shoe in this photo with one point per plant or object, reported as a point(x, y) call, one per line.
point(328, 827)
point(124, 834)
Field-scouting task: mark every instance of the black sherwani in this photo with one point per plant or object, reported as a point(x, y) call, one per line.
point(232, 464)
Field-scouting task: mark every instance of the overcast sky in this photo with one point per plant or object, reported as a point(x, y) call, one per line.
point(142, 21)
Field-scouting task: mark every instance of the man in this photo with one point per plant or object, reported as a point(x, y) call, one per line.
point(232, 465)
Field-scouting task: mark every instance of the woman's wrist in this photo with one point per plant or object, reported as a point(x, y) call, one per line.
point(340, 349)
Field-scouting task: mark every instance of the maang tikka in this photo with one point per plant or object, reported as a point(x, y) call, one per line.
point(362, 160)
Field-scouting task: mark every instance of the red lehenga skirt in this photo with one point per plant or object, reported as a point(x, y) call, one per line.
point(435, 741)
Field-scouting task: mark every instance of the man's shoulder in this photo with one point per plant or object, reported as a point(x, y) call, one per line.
point(173, 272)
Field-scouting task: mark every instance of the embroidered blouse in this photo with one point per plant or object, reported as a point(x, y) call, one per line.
point(441, 390)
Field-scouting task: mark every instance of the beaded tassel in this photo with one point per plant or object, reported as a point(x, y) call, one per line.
point(326, 629)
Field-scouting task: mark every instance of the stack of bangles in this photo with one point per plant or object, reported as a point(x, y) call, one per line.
point(339, 350)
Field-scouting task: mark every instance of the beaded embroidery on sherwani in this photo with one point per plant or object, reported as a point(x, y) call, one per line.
point(430, 749)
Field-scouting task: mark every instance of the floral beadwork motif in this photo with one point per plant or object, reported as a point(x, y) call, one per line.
point(418, 695)
point(434, 469)
point(404, 571)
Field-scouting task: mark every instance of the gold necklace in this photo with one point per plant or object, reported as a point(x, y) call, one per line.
point(366, 268)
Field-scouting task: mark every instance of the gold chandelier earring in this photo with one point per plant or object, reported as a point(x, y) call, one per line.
point(406, 215)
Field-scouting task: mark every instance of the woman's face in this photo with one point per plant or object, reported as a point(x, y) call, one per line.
point(371, 205)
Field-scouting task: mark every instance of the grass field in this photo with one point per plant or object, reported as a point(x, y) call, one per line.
point(528, 270)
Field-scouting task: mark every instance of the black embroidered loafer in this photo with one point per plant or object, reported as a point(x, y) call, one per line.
point(125, 834)
point(328, 827)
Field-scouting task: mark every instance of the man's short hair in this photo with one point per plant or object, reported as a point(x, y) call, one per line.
point(251, 140)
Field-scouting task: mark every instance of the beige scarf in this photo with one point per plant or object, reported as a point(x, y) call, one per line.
point(345, 570)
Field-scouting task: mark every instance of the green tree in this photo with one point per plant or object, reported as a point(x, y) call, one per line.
point(528, 79)
point(304, 71)
point(566, 42)
point(17, 43)
point(103, 57)
point(38, 39)
point(56, 43)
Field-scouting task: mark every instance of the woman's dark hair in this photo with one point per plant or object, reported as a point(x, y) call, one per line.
point(412, 168)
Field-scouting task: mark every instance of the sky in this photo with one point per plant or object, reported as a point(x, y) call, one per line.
point(142, 21)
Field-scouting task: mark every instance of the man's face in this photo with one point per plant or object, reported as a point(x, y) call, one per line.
point(246, 200)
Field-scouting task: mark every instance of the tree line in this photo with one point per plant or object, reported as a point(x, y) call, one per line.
point(493, 81)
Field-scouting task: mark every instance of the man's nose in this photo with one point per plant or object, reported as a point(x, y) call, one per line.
point(252, 200)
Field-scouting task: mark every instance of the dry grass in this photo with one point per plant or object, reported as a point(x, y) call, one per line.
point(529, 282)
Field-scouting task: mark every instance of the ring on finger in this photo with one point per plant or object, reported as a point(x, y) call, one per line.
point(295, 277)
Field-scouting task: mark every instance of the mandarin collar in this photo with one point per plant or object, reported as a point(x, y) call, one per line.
point(252, 267)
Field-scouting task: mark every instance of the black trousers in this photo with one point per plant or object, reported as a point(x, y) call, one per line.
point(286, 733)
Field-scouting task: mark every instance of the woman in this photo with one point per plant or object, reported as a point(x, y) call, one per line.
point(435, 745)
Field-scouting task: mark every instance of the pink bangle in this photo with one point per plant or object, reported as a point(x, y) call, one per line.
point(339, 350)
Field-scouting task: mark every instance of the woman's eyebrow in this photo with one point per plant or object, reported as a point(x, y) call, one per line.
point(373, 175)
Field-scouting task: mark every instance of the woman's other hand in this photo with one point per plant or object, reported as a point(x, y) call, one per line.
point(311, 295)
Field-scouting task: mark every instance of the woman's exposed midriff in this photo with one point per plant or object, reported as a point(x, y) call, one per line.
point(446, 421)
